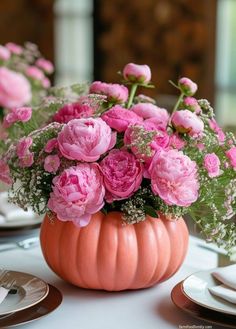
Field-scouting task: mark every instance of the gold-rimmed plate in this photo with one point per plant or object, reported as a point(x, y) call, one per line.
point(199, 312)
point(30, 291)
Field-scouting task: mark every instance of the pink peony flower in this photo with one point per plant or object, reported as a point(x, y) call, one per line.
point(186, 121)
point(115, 93)
point(231, 155)
point(35, 73)
point(14, 48)
point(23, 146)
point(5, 173)
point(22, 114)
point(51, 145)
point(137, 73)
point(120, 118)
point(161, 140)
point(219, 132)
point(15, 89)
point(176, 142)
point(122, 174)
point(4, 53)
point(52, 163)
point(73, 111)
point(174, 178)
point(85, 139)
point(187, 86)
point(45, 65)
point(148, 110)
point(212, 164)
point(78, 192)
point(192, 104)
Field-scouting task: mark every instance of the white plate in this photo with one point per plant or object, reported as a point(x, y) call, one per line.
point(31, 290)
point(195, 287)
point(27, 223)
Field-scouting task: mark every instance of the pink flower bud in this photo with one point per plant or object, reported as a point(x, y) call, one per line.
point(191, 104)
point(212, 164)
point(231, 155)
point(45, 65)
point(137, 73)
point(4, 53)
point(34, 73)
point(186, 121)
point(14, 48)
point(187, 86)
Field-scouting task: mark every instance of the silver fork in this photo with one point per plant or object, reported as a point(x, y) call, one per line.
point(24, 244)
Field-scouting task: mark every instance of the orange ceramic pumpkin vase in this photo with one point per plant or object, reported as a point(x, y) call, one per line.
point(110, 256)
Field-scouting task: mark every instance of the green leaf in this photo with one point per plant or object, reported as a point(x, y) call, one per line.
point(150, 211)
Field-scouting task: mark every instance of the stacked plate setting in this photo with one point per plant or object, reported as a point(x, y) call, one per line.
point(192, 295)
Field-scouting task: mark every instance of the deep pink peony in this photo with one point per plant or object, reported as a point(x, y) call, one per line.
point(15, 90)
point(85, 139)
point(115, 93)
point(212, 164)
point(186, 121)
point(187, 86)
point(231, 155)
point(22, 114)
point(137, 73)
point(122, 174)
point(45, 65)
point(148, 110)
point(120, 118)
point(5, 172)
point(73, 111)
point(78, 192)
point(35, 73)
point(174, 178)
point(4, 53)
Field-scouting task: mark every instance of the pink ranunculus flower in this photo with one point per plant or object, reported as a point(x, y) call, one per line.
point(212, 164)
point(14, 48)
point(148, 110)
point(122, 174)
point(4, 53)
point(52, 163)
point(20, 114)
point(22, 147)
point(174, 178)
point(35, 73)
point(187, 86)
point(51, 145)
point(73, 111)
point(186, 121)
point(15, 90)
point(115, 93)
point(5, 173)
point(191, 104)
point(120, 118)
point(137, 73)
point(45, 65)
point(85, 139)
point(231, 155)
point(219, 132)
point(78, 192)
point(176, 142)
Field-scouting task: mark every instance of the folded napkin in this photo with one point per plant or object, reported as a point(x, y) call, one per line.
point(3, 294)
point(224, 292)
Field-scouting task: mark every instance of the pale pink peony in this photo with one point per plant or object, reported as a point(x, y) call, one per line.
point(22, 147)
point(20, 114)
point(4, 53)
point(191, 104)
point(212, 164)
point(115, 93)
point(5, 173)
point(52, 163)
point(45, 65)
point(35, 73)
point(187, 86)
point(186, 121)
point(174, 178)
point(219, 132)
point(78, 192)
point(148, 110)
point(51, 145)
point(137, 73)
point(176, 142)
point(85, 139)
point(73, 111)
point(15, 89)
point(231, 155)
point(122, 174)
point(14, 48)
point(120, 118)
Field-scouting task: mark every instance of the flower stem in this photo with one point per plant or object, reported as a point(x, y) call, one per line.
point(178, 102)
point(132, 94)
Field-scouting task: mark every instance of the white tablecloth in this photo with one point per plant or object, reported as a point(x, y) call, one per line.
point(86, 309)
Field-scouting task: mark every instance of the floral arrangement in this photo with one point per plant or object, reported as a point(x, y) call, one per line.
point(108, 148)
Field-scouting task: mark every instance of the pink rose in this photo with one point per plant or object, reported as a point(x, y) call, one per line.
point(51, 145)
point(176, 142)
point(35, 73)
point(219, 132)
point(85, 139)
point(212, 164)
point(4, 53)
point(186, 121)
point(148, 110)
point(14, 48)
point(137, 73)
point(231, 155)
point(45, 65)
point(174, 178)
point(120, 118)
point(122, 174)
point(187, 86)
point(115, 93)
point(22, 114)
point(15, 90)
point(192, 104)
point(52, 163)
point(22, 147)
point(78, 192)
point(5, 173)
point(73, 111)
